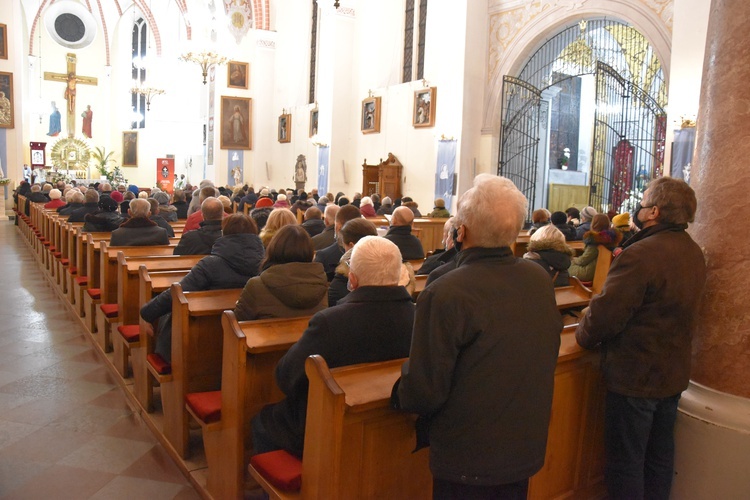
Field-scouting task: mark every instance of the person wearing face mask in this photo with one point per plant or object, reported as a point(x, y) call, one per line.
point(643, 323)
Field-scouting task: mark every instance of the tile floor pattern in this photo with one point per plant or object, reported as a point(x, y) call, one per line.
point(66, 430)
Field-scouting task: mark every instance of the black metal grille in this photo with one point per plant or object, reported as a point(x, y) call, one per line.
point(519, 143)
point(629, 139)
point(313, 49)
point(574, 52)
point(408, 40)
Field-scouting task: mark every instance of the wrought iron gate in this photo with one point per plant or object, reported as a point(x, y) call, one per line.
point(520, 136)
point(629, 140)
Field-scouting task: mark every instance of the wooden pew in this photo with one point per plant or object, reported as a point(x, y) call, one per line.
point(357, 447)
point(428, 230)
point(149, 285)
point(603, 262)
point(196, 355)
point(108, 314)
point(575, 295)
point(128, 305)
point(252, 349)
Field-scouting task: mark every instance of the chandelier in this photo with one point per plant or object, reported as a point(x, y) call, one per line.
point(148, 92)
point(205, 60)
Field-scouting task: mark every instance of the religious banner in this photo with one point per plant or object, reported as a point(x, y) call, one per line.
point(235, 167)
point(682, 153)
point(165, 174)
point(323, 156)
point(445, 177)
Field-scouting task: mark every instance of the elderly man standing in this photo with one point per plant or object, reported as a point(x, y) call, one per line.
point(200, 241)
point(372, 323)
point(643, 322)
point(483, 354)
point(139, 230)
point(400, 234)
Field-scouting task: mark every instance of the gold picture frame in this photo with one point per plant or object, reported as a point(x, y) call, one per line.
point(236, 123)
point(238, 75)
point(3, 41)
point(313, 122)
point(130, 148)
point(370, 121)
point(424, 107)
point(285, 128)
point(7, 114)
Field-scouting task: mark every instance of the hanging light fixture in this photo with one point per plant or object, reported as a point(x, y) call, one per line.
point(204, 59)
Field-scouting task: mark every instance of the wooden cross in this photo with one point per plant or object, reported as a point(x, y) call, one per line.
point(71, 79)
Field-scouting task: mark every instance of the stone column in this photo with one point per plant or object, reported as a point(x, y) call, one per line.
point(713, 427)
point(721, 179)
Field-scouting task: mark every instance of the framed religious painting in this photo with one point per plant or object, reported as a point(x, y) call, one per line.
point(7, 116)
point(238, 75)
point(370, 123)
point(236, 123)
point(3, 41)
point(313, 122)
point(424, 107)
point(285, 128)
point(130, 148)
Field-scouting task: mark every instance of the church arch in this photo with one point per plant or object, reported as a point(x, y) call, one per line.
point(597, 87)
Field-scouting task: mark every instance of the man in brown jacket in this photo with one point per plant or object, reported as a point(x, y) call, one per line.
point(643, 322)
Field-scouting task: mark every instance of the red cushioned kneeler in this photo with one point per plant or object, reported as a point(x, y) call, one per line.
point(95, 293)
point(207, 405)
point(131, 333)
point(73, 270)
point(110, 310)
point(64, 262)
point(57, 255)
point(161, 366)
point(280, 468)
point(82, 280)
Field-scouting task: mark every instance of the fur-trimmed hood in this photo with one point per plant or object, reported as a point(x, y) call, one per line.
point(539, 245)
point(609, 238)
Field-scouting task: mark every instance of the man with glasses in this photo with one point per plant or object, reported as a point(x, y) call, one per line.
point(643, 322)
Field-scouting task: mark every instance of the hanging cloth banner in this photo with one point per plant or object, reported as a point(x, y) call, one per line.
point(323, 157)
point(682, 153)
point(165, 174)
point(235, 168)
point(445, 176)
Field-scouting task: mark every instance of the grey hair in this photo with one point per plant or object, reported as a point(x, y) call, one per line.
point(493, 211)
point(376, 261)
point(77, 196)
point(140, 208)
point(548, 233)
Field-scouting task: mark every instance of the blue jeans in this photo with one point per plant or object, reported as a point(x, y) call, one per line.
point(639, 444)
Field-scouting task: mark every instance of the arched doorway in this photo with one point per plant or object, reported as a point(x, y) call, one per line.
point(584, 120)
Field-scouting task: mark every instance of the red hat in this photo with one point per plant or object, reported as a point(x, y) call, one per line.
point(264, 202)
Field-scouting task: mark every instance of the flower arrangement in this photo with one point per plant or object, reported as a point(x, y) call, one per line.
point(4, 181)
point(103, 159)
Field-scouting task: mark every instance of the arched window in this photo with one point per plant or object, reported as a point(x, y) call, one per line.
point(414, 46)
point(138, 57)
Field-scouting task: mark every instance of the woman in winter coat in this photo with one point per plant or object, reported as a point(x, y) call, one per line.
point(281, 202)
point(548, 249)
point(278, 218)
point(290, 283)
point(367, 208)
point(234, 259)
point(583, 267)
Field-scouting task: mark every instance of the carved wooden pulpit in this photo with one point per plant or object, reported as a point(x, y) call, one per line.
point(383, 178)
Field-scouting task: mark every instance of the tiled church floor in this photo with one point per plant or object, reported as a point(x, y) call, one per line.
point(66, 429)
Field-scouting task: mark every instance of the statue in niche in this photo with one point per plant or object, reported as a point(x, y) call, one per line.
point(55, 127)
point(300, 173)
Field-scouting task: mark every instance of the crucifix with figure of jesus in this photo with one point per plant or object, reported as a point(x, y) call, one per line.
point(71, 79)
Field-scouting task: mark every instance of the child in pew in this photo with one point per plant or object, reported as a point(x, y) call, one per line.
point(548, 249)
point(290, 283)
point(234, 259)
point(373, 323)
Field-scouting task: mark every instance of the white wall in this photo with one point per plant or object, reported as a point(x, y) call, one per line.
point(688, 49)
